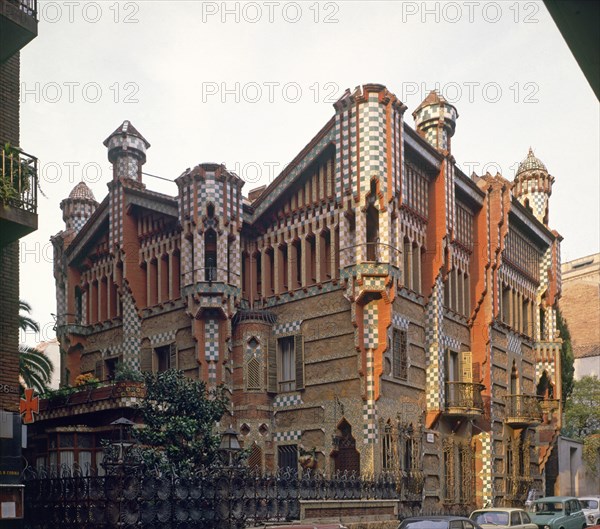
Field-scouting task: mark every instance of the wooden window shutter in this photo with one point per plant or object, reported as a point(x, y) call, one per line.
point(466, 367)
point(299, 352)
point(272, 365)
point(146, 355)
point(173, 356)
point(98, 372)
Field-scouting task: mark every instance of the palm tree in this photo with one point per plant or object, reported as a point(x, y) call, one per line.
point(35, 368)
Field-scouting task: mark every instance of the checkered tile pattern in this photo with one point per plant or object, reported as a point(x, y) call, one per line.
point(212, 373)
point(450, 342)
point(131, 332)
point(186, 261)
point(370, 433)
point(371, 316)
point(432, 117)
point(198, 254)
point(514, 343)
point(486, 467)
point(433, 339)
point(282, 401)
point(539, 204)
point(211, 340)
point(371, 340)
point(289, 327)
point(84, 311)
point(400, 322)
point(294, 435)
point(450, 199)
point(116, 214)
point(162, 338)
point(96, 406)
point(373, 149)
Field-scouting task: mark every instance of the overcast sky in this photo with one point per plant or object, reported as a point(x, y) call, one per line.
point(249, 84)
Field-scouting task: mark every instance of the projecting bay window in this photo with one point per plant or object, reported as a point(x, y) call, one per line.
point(286, 364)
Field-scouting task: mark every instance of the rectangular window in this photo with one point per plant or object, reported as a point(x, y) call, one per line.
point(164, 358)
point(400, 354)
point(287, 457)
point(286, 376)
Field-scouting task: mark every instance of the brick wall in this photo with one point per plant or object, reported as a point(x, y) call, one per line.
point(9, 255)
point(9, 100)
point(9, 327)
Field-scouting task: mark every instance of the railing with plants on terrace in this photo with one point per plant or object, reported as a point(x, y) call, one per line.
point(18, 179)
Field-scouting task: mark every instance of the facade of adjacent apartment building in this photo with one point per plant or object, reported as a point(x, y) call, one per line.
point(373, 309)
point(18, 217)
point(580, 306)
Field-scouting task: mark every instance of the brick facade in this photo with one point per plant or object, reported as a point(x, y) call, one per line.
point(373, 306)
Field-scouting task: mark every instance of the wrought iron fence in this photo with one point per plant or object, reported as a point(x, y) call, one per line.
point(213, 498)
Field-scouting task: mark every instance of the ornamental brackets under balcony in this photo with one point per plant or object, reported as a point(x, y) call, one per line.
point(521, 411)
point(18, 25)
point(463, 400)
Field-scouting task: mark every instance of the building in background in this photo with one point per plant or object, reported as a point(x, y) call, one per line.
point(18, 217)
point(51, 348)
point(373, 307)
point(580, 306)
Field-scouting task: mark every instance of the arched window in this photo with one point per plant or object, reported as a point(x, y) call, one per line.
point(210, 255)
point(372, 214)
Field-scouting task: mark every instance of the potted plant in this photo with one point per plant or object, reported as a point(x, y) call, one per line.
point(129, 382)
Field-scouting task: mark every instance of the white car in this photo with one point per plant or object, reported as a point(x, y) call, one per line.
point(591, 509)
point(502, 518)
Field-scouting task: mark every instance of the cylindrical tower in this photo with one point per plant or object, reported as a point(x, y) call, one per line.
point(435, 121)
point(78, 207)
point(127, 152)
point(533, 186)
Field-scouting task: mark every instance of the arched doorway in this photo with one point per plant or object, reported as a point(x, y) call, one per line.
point(345, 455)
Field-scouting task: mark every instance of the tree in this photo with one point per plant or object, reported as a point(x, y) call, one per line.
point(35, 368)
point(566, 357)
point(179, 416)
point(582, 413)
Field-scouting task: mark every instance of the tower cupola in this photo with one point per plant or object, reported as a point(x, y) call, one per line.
point(127, 152)
point(435, 121)
point(78, 207)
point(533, 186)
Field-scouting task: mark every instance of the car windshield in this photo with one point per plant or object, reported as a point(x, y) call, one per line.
point(426, 524)
point(589, 504)
point(490, 517)
point(549, 507)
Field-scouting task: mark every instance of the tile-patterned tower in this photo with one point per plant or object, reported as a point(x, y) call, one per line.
point(127, 153)
point(533, 186)
point(435, 120)
point(78, 207)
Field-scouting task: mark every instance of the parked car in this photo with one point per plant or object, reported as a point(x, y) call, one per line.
point(558, 512)
point(438, 522)
point(591, 509)
point(503, 518)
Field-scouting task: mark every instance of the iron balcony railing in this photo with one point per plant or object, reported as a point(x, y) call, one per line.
point(28, 7)
point(18, 179)
point(464, 398)
point(522, 409)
